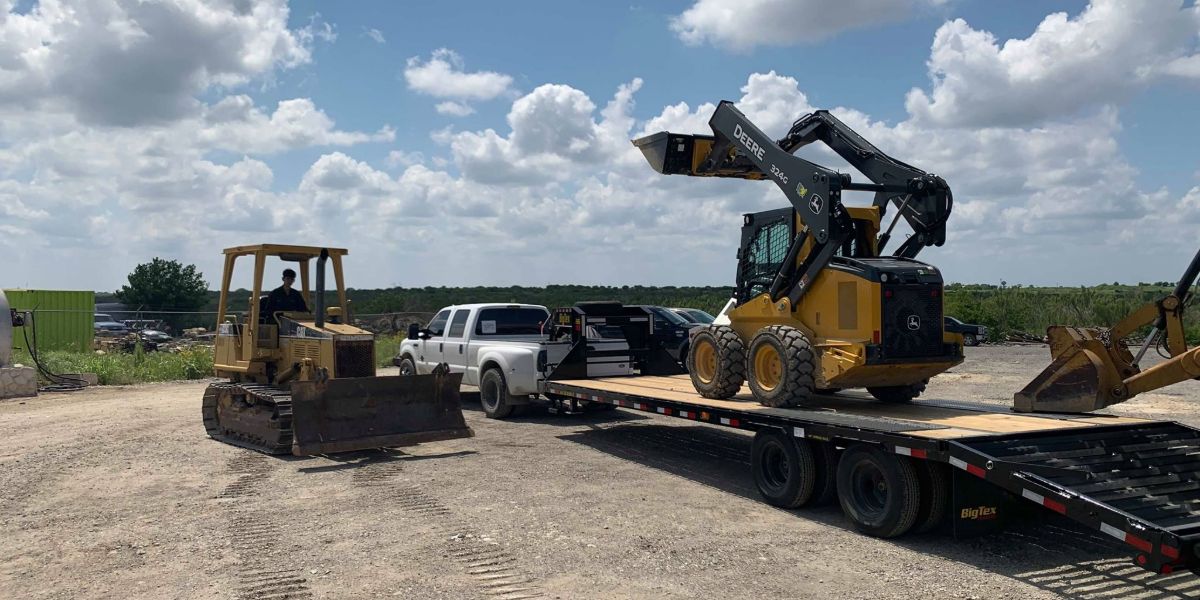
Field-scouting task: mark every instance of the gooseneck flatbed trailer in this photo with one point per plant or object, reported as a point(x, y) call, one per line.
point(911, 467)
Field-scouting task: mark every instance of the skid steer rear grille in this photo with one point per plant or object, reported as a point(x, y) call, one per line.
point(354, 359)
point(912, 321)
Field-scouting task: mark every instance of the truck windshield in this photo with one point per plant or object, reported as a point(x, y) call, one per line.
point(510, 321)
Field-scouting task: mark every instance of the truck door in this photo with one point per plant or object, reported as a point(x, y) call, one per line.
point(430, 350)
point(456, 341)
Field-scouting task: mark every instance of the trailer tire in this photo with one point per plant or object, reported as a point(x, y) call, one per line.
point(898, 394)
point(781, 365)
point(879, 492)
point(716, 362)
point(493, 395)
point(407, 366)
point(935, 495)
point(784, 468)
point(826, 459)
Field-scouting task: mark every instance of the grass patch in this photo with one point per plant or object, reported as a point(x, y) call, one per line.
point(124, 369)
point(386, 347)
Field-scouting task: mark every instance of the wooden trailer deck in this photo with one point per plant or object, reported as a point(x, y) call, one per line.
point(933, 419)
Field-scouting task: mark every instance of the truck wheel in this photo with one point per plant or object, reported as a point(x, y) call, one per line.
point(897, 394)
point(717, 362)
point(493, 394)
point(969, 339)
point(879, 492)
point(781, 366)
point(935, 495)
point(407, 366)
point(825, 456)
point(784, 468)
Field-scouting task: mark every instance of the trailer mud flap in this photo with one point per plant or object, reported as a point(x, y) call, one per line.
point(359, 413)
point(977, 507)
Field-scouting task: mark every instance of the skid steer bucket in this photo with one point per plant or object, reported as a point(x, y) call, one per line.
point(359, 413)
point(1083, 376)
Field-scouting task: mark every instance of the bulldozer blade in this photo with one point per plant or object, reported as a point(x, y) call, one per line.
point(360, 413)
point(1078, 380)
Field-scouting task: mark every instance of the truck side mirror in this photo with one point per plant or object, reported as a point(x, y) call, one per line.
point(414, 331)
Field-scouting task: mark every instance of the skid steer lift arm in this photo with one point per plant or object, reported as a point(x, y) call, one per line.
point(740, 149)
point(1092, 368)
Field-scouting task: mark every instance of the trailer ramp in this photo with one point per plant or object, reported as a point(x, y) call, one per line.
point(1139, 484)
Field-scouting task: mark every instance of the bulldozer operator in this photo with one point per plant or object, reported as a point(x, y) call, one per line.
point(284, 298)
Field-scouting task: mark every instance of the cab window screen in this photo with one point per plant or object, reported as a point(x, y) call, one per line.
point(438, 325)
point(510, 321)
point(459, 325)
point(763, 257)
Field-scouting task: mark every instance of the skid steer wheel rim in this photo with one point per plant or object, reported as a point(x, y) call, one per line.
point(869, 489)
point(768, 367)
point(705, 357)
point(774, 466)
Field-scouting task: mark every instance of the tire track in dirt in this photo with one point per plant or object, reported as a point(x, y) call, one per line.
point(494, 569)
point(255, 535)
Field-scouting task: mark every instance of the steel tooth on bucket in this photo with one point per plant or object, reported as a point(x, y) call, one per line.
point(342, 415)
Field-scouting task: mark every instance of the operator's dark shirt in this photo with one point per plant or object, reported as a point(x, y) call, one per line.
point(282, 299)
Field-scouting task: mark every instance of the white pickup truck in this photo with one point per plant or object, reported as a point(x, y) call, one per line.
point(498, 347)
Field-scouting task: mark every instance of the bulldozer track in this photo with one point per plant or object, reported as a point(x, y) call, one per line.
point(493, 568)
point(270, 404)
point(254, 535)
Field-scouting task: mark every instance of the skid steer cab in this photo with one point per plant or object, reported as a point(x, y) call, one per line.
point(304, 382)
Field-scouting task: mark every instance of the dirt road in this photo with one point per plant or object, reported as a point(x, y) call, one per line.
point(117, 493)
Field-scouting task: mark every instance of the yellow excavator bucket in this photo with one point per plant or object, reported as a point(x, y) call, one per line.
point(1083, 376)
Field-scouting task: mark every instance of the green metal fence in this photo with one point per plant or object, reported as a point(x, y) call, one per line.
point(63, 318)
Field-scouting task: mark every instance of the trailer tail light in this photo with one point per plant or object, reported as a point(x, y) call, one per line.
point(933, 293)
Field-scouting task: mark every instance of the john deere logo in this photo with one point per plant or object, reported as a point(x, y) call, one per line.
point(914, 322)
point(801, 190)
point(816, 203)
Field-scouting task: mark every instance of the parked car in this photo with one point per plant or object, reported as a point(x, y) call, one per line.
point(694, 315)
point(105, 325)
point(972, 334)
point(671, 330)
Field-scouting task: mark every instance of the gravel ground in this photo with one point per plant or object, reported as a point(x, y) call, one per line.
point(117, 492)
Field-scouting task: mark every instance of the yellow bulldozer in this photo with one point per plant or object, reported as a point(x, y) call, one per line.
point(1092, 367)
point(302, 380)
point(819, 307)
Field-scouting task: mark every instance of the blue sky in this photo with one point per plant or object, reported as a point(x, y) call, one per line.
point(135, 130)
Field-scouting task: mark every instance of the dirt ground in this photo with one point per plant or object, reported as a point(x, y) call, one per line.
point(117, 493)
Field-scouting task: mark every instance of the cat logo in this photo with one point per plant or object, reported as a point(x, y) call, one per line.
point(816, 203)
point(979, 513)
point(914, 322)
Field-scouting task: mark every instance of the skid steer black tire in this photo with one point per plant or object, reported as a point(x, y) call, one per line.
point(716, 362)
point(879, 492)
point(781, 363)
point(897, 394)
point(493, 395)
point(784, 468)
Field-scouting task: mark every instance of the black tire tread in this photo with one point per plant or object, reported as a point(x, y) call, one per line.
point(731, 363)
point(801, 492)
point(935, 495)
point(799, 366)
point(503, 408)
point(898, 394)
point(908, 490)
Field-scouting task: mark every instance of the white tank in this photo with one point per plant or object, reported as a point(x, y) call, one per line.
point(6, 332)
